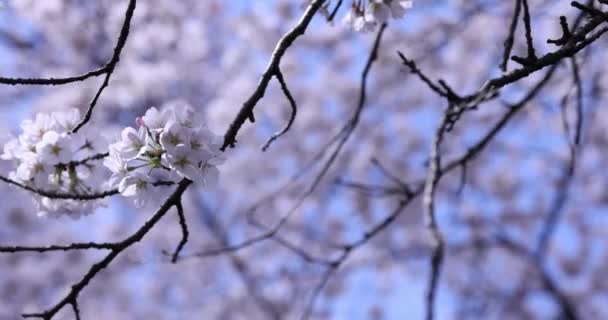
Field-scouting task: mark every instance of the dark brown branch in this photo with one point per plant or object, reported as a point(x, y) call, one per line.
point(292, 104)
point(53, 81)
point(61, 195)
point(108, 69)
point(345, 132)
point(513, 109)
point(566, 35)
point(511, 37)
point(68, 247)
point(284, 43)
point(551, 58)
point(589, 9)
point(435, 170)
point(96, 268)
point(333, 13)
point(75, 309)
point(411, 64)
point(184, 226)
point(531, 58)
point(84, 161)
point(120, 44)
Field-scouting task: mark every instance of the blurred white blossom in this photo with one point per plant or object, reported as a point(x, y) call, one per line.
point(42, 155)
point(362, 18)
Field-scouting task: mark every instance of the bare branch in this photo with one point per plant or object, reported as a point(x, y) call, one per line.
point(292, 116)
point(531, 58)
point(284, 43)
point(68, 247)
point(53, 81)
point(511, 37)
point(60, 195)
point(108, 69)
point(75, 309)
point(415, 70)
point(76, 289)
point(566, 34)
point(185, 233)
point(333, 13)
point(551, 58)
point(98, 156)
point(120, 44)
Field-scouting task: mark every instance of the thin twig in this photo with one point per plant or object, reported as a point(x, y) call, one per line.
point(284, 43)
point(511, 37)
point(61, 195)
point(528, 27)
point(184, 226)
point(96, 268)
point(292, 115)
point(50, 248)
point(53, 81)
point(411, 64)
point(332, 15)
point(98, 156)
point(120, 44)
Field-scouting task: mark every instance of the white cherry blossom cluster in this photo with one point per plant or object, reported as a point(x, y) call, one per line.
point(47, 157)
point(168, 145)
point(363, 18)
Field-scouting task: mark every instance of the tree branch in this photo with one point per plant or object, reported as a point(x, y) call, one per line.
point(76, 289)
point(60, 195)
point(511, 37)
point(284, 43)
point(185, 233)
point(120, 44)
point(108, 69)
point(292, 116)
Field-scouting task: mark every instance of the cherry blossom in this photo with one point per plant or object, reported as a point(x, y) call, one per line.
point(377, 12)
point(492, 209)
point(363, 18)
point(42, 154)
point(54, 148)
point(170, 144)
point(399, 7)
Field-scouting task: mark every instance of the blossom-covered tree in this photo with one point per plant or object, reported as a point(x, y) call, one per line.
point(303, 159)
